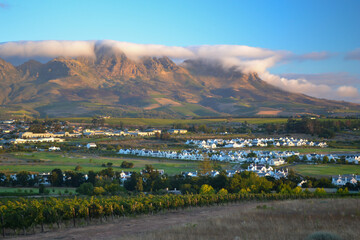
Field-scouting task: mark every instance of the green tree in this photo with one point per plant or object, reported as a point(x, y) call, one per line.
point(223, 191)
point(139, 185)
point(56, 177)
point(22, 178)
point(99, 190)
point(126, 164)
point(86, 189)
point(205, 166)
point(206, 189)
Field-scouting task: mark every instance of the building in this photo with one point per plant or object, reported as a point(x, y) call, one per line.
point(177, 131)
point(25, 135)
point(91, 145)
point(342, 180)
point(53, 148)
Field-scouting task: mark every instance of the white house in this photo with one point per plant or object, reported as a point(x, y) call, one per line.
point(53, 148)
point(91, 145)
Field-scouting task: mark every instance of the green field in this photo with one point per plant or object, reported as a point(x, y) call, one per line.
point(45, 162)
point(326, 170)
point(34, 191)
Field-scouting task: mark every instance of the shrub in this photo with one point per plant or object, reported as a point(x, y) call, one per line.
point(99, 190)
point(223, 191)
point(320, 191)
point(206, 189)
point(126, 164)
point(85, 189)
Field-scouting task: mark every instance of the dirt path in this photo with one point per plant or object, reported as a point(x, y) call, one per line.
point(140, 224)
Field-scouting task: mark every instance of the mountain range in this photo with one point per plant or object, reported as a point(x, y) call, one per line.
point(113, 84)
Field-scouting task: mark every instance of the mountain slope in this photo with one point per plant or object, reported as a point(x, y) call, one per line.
point(114, 84)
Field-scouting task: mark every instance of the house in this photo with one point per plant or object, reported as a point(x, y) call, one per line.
point(25, 135)
point(276, 162)
point(53, 148)
point(177, 131)
point(344, 179)
point(91, 145)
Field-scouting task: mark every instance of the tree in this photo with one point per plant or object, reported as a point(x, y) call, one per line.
point(99, 190)
point(56, 177)
point(251, 155)
point(139, 185)
point(126, 164)
point(293, 158)
point(206, 189)
point(108, 172)
point(86, 189)
point(23, 178)
point(223, 191)
point(41, 188)
point(320, 191)
point(205, 166)
point(37, 128)
point(74, 179)
point(131, 183)
point(91, 177)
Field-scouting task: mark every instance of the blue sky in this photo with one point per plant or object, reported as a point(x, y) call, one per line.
point(295, 26)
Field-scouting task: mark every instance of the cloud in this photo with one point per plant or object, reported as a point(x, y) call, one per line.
point(245, 58)
point(353, 55)
point(315, 56)
point(312, 56)
point(299, 85)
point(348, 91)
point(302, 85)
point(25, 50)
point(136, 51)
point(331, 78)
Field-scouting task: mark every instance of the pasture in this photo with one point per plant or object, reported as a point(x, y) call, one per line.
point(47, 161)
point(326, 170)
point(8, 191)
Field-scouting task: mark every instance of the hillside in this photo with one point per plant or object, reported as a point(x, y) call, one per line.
point(113, 84)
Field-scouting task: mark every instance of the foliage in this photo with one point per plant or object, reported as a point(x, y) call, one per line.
point(56, 177)
point(126, 164)
point(206, 189)
point(320, 191)
point(205, 166)
point(86, 189)
point(29, 213)
point(223, 191)
point(99, 190)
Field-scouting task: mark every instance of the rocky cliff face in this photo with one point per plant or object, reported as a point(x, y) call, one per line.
point(113, 83)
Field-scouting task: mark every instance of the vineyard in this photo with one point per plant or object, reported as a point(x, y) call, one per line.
point(27, 215)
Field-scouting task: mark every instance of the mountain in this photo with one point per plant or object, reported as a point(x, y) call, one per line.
point(115, 85)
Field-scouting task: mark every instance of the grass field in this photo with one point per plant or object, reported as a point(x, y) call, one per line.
point(325, 170)
point(45, 162)
point(33, 190)
point(313, 219)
